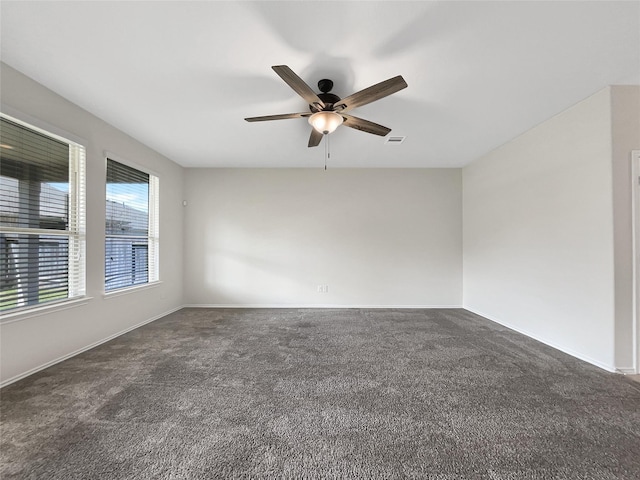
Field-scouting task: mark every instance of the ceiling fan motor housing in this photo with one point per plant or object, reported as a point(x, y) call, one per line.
point(329, 99)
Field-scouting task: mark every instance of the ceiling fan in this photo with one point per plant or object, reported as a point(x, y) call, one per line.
point(327, 111)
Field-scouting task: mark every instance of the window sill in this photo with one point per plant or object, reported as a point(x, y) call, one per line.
point(43, 310)
point(128, 290)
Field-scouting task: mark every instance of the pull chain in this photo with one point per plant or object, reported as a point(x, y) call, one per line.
point(327, 150)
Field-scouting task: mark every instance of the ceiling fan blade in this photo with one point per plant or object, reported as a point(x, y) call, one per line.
point(298, 85)
point(371, 94)
point(315, 138)
point(364, 125)
point(283, 116)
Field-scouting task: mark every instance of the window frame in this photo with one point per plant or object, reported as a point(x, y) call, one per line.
point(153, 233)
point(75, 232)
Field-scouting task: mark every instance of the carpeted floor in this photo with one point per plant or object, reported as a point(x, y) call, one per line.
point(232, 393)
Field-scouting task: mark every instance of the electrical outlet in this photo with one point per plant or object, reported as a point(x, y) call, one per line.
point(323, 288)
point(326, 289)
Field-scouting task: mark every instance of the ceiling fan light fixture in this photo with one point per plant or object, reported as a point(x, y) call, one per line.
point(325, 122)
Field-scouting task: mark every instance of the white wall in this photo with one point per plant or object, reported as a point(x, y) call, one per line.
point(538, 233)
point(29, 343)
point(374, 236)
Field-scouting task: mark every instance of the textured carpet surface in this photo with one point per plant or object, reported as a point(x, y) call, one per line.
point(345, 393)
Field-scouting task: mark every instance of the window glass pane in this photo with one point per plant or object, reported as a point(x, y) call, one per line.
point(34, 179)
point(36, 169)
point(127, 200)
point(33, 269)
point(127, 226)
point(126, 262)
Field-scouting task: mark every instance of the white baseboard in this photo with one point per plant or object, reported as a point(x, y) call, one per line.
point(308, 305)
point(83, 349)
point(627, 370)
point(562, 348)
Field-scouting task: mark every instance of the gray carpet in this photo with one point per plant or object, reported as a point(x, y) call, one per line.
point(224, 393)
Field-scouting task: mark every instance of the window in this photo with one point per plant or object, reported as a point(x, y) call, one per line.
point(42, 216)
point(131, 244)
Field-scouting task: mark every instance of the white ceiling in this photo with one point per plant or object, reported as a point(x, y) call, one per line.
point(181, 76)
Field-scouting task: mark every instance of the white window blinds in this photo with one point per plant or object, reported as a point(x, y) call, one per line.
point(42, 216)
point(132, 233)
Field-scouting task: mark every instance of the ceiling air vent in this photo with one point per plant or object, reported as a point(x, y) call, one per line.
point(394, 140)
